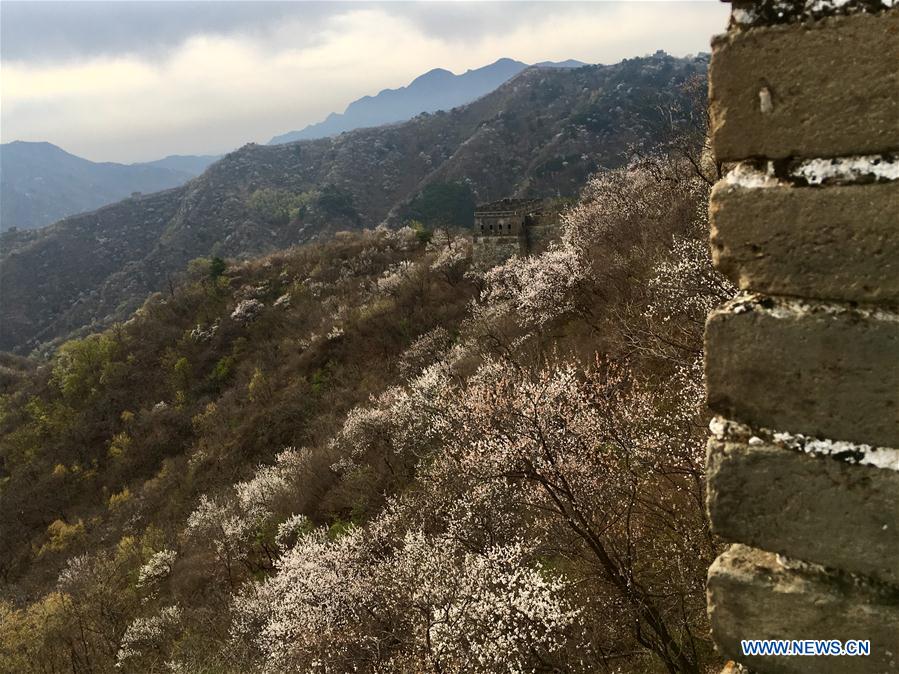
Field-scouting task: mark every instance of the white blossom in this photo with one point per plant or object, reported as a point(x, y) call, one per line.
point(536, 289)
point(247, 311)
point(425, 350)
point(144, 634)
point(157, 568)
point(290, 528)
point(307, 611)
point(204, 334)
point(491, 610)
point(452, 258)
point(77, 570)
point(271, 482)
point(685, 285)
point(395, 277)
point(221, 524)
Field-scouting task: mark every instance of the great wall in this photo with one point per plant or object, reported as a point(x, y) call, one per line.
point(513, 227)
point(802, 369)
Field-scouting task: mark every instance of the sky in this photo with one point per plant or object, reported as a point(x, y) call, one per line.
point(136, 81)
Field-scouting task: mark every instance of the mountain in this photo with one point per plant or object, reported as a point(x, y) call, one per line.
point(293, 464)
point(540, 134)
point(567, 63)
point(437, 89)
point(41, 183)
point(193, 165)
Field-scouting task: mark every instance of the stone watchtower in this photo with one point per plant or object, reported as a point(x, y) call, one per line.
point(512, 227)
point(802, 369)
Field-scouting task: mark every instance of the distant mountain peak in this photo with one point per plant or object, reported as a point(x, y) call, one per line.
point(437, 89)
point(434, 73)
point(41, 147)
point(504, 62)
point(568, 63)
point(33, 143)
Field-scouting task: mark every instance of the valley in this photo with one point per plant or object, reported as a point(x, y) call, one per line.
point(540, 134)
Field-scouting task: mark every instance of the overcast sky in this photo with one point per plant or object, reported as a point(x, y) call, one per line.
point(134, 81)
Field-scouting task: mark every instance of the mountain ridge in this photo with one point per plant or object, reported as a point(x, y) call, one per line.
point(540, 134)
point(42, 183)
point(437, 89)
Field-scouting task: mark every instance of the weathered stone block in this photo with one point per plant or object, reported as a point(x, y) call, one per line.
point(752, 595)
point(819, 509)
point(824, 88)
point(829, 371)
point(493, 250)
point(838, 242)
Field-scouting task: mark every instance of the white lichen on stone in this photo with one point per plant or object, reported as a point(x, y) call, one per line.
point(720, 429)
point(779, 11)
point(847, 169)
point(794, 307)
point(863, 454)
point(824, 5)
point(746, 175)
point(743, 17)
point(820, 171)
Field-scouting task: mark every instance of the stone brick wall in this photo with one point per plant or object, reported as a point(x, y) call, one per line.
point(514, 227)
point(802, 369)
point(490, 251)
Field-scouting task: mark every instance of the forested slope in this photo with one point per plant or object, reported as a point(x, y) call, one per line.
point(364, 454)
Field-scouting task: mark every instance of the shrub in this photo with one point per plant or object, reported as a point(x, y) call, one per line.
point(63, 536)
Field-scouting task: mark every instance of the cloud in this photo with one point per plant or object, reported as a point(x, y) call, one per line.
point(50, 31)
point(212, 83)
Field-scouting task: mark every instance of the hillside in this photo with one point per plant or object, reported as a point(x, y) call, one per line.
point(367, 454)
point(540, 134)
point(435, 90)
point(41, 183)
